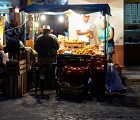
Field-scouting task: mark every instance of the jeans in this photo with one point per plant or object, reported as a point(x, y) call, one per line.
point(111, 51)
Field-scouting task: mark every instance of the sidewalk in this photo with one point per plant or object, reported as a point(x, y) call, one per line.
point(131, 74)
point(113, 106)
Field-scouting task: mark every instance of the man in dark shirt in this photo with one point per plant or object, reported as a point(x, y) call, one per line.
point(46, 46)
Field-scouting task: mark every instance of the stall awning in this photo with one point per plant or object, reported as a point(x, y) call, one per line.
point(80, 8)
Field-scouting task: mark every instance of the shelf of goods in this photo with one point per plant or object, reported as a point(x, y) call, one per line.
point(71, 48)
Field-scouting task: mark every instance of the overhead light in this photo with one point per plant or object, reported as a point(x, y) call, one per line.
point(61, 18)
point(36, 24)
point(43, 17)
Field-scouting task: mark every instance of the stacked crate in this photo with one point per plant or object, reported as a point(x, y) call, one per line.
point(74, 45)
point(73, 82)
point(16, 79)
point(98, 73)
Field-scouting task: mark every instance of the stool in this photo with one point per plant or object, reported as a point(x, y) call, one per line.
point(45, 72)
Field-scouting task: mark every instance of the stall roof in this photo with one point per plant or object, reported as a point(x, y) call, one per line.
point(80, 8)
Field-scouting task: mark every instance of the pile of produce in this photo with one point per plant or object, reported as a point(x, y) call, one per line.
point(86, 50)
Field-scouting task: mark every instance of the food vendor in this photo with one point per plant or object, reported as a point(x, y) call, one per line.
point(84, 29)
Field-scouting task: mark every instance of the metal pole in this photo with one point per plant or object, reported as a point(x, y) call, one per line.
point(105, 33)
point(33, 28)
point(25, 29)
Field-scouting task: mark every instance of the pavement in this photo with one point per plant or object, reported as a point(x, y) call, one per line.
point(113, 106)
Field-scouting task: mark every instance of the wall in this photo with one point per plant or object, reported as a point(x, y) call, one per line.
point(116, 21)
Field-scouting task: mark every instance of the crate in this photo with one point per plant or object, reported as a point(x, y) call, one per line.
point(27, 55)
point(73, 82)
point(16, 67)
point(74, 45)
point(75, 92)
point(15, 85)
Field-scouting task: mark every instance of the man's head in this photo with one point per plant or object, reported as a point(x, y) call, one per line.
point(86, 17)
point(103, 23)
point(46, 28)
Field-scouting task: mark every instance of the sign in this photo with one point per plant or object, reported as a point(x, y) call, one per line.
point(3, 11)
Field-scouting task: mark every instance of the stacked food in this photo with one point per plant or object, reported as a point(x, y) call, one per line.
point(77, 47)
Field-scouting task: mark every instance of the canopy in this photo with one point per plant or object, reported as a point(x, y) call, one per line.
point(61, 9)
point(80, 8)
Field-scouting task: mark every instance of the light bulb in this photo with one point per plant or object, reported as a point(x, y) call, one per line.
point(43, 17)
point(61, 19)
point(36, 24)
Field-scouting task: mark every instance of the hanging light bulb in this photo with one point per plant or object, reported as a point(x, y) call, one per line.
point(61, 18)
point(36, 24)
point(43, 17)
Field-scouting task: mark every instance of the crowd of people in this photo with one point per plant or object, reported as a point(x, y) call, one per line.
point(13, 31)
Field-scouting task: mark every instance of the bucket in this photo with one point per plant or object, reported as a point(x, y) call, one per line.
point(30, 43)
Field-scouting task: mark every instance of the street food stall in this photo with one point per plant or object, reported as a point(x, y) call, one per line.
point(73, 52)
point(70, 46)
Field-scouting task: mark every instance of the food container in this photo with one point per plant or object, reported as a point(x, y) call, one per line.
point(102, 47)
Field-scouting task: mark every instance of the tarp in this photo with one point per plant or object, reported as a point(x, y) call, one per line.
point(80, 8)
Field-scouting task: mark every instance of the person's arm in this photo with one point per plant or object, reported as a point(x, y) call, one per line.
point(111, 33)
point(97, 38)
point(79, 32)
point(5, 58)
point(57, 44)
point(36, 46)
point(91, 34)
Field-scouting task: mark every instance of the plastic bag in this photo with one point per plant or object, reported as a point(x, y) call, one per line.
point(113, 80)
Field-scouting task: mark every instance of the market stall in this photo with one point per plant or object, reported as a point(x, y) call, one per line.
point(70, 46)
point(32, 10)
point(74, 53)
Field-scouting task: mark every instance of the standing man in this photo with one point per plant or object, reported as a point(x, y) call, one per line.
point(46, 46)
point(84, 30)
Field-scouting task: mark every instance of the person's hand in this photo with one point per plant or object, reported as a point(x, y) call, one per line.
point(87, 31)
point(103, 41)
point(88, 34)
